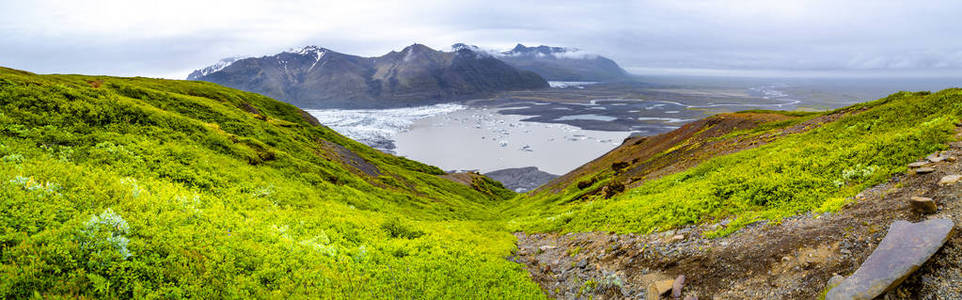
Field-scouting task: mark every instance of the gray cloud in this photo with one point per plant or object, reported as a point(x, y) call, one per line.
point(170, 38)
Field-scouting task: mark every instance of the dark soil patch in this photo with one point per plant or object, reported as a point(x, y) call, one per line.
point(349, 158)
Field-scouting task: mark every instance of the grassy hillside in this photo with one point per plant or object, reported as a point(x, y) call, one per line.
point(794, 171)
point(134, 187)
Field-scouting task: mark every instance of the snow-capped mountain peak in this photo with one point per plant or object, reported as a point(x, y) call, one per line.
point(220, 65)
point(308, 50)
point(564, 63)
point(478, 50)
point(547, 51)
point(312, 76)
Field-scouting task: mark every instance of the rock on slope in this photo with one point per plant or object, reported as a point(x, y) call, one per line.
point(904, 249)
point(314, 77)
point(521, 179)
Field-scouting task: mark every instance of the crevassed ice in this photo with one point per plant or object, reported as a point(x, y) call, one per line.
point(566, 84)
point(373, 125)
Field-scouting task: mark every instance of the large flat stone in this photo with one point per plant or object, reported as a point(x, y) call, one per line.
point(904, 249)
point(935, 157)
point(950, 179)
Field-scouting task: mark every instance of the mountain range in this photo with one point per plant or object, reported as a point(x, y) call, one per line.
point(316, 77)
point(564, 64)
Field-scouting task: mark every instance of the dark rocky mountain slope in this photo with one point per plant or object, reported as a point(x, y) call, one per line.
point(564, 64)
point(314, 77)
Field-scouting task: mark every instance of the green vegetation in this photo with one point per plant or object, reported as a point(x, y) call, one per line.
point(134, 187)
point(815, 170)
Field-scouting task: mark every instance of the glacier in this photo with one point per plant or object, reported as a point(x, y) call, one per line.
point(378, 127)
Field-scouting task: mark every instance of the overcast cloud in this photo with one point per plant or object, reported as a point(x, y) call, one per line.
point(170, 38)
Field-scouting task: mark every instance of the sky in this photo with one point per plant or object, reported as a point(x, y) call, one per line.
point(170, 38)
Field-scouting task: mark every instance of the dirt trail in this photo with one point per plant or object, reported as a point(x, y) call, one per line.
point(790, 260)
